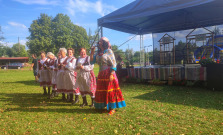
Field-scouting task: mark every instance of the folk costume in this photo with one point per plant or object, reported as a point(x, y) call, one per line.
point(44, 75)
point(53, 72)
point(66, 78)
point(108, 93)
point(86, 80)
point(60, 76)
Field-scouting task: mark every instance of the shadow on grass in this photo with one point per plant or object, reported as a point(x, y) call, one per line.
point(56, 110)
point(34, 102)
point(28, 82)
point(197, 97)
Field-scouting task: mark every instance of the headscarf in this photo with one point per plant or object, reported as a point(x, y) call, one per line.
point(105, 46)
point(107, 41)
point(49, 53)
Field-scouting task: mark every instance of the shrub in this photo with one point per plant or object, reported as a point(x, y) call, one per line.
point(206, 61)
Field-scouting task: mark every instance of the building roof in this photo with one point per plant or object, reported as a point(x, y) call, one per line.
point(14, 58)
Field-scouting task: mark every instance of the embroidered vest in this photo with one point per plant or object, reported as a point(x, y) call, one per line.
point(64, 62)
point(86, 62)
point(44, 65)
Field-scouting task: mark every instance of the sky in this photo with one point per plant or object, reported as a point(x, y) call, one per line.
point(17, 15)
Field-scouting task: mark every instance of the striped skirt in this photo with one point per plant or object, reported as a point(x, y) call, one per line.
point(108, 93)
point(45, 78)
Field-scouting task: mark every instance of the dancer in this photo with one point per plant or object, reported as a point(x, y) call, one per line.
point(43, 73)
point(69, 76)
point(60, 72)
point(53, 72)
point(108, 93)
point(86, 80)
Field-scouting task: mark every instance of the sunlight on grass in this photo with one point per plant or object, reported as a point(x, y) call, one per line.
point(150, 110)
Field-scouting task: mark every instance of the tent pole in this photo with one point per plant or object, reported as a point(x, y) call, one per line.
point(213, 44)
point(101, 31)
point(141, 51)
point(153, 51)
point(98, 32)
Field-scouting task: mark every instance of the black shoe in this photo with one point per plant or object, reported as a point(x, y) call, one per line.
point(49, 91)
point(52, 94)
point(84, 102)
point(44, 93)
point(76, 100)
point(92, 102)
point(71, 98)
point(63, 97)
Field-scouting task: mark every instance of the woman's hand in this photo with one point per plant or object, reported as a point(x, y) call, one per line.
point(92, 49)
point(92, 53)
point(111, 77)
point(81, 67)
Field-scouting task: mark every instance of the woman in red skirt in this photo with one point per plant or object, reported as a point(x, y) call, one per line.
point(86, 80)
point(108, 93)
point(43, 73)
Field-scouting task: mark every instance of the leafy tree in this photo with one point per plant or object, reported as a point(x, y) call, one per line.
point(217, 31)
point(1, 35)
point(136, 57)
point(66, 34)
point(40, 35)
point(180, 52)
point(129, 56)
point(150, 56)
point(156, 56)
point(5, 51)
point(19, 50)
point(119, 54)
point(50, 34)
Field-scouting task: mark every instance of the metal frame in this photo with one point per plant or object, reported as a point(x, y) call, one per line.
point(142, 53)
point(164, 52)
point(190, 37)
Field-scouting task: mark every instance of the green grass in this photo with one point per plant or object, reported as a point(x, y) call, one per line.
point(150, 110)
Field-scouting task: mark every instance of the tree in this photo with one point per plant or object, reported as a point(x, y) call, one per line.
point(40, 35)
point(119, 54)
point(5, 51)
point(217, 31)
point(66, 34)
point(129, 56)
point(19, 50)
point(1, 35)
point(136, 57)
point(50, 34)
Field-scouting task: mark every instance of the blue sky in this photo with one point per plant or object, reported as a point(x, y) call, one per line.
point(17, 15)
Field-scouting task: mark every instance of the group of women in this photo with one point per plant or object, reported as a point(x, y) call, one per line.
point(71, 76)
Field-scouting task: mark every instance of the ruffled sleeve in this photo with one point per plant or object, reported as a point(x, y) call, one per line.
point(111, 59)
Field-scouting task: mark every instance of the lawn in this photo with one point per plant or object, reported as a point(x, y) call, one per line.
point(150, 110)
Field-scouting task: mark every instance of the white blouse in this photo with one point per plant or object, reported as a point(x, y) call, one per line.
point(71, 65)
point(87, 68)
point(41, 61)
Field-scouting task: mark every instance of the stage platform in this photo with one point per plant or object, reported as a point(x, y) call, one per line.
point(191, 72)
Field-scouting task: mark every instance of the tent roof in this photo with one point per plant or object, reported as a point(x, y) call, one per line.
point(156, 16)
